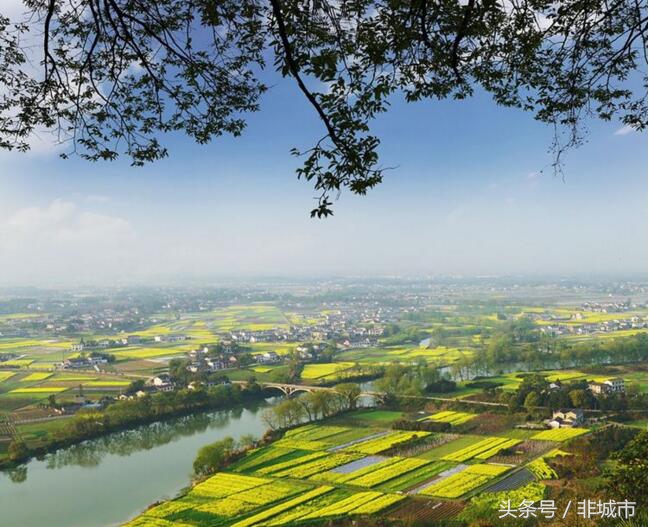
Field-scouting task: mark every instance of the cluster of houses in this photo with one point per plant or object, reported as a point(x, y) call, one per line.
point(128, 340)
point(83, 363)
point(200, 361)
point(164, 383)
point(606, 326)
point(566, 418)
point(609, 307)
point(574, 417)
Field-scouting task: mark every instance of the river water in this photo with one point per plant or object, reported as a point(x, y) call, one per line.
point(108, 480)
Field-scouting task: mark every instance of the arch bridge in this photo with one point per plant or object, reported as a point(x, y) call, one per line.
point(291, 389)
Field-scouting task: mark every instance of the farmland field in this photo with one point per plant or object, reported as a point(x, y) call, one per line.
point(4, 375)
point(322, 371)
point(310, 475)
point(444, 356)
point(36, 377)
point(453, 418)
point(560, 434)
point(39, 389)
point(464, 481)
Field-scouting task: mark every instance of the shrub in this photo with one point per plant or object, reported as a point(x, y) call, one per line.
point(426, 426)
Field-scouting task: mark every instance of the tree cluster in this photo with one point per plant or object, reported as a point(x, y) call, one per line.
point(312, 406)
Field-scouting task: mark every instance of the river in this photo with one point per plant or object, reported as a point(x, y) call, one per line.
point(106, 481)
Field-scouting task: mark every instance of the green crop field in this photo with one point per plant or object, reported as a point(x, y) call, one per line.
point(324, 370)
point(454, 418)
point(4, 375)
point(17, 363)
point(465, 481)
point(39, 390)
point(316, 472)
point(36, 377)
point(382, 416)
point(560, 434)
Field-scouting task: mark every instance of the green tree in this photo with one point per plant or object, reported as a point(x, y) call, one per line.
point(349, 393)
point(532, 400)
point(628, 477)
point(17, 450)
point(135, 386)
point(211, 458)
point(246, 441)
point(115, 75)
point(580, 398)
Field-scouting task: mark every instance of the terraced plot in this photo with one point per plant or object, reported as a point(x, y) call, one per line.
point(39, 389)
point(465, 481)
point(223, 484)
point(36, 377)
point(4, 375)
point(483, 449)
point(453, 418)
point(560, 434)
point(415, 477)
point(266, 456)
point(541, 469)
point(382, 475)
point(383, 443)
point(360, 503)
point(327, 462)
point(302, 479)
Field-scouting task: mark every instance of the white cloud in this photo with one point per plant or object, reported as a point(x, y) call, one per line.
point(62, 222)
point(63, 240)
point(625, 130)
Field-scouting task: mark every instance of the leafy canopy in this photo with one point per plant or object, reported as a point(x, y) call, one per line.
point(111, 76)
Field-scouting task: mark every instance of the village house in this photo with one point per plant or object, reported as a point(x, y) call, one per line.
point(170, 338)
point(615, 385)
point(75, 363)
point(132, 339)
point(598, 388)
point(566, 418)
point(267, 357)
point(161, 382)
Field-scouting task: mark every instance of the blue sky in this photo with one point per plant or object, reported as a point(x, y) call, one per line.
point(466, 198)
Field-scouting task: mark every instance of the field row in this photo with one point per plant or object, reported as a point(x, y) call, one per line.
point(483, 449)
point(464, 481)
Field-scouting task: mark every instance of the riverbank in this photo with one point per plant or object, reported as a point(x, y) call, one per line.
point(123, 415)
point(104, 481)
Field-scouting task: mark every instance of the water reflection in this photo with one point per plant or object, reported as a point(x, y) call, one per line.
point(127, 442)
point(134, 468)
point(18, 474)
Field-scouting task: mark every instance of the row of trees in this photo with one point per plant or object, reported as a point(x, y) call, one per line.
point(534, 391)
point(538, 351)
point(418, 379)
point(149, 408)
point(312, 406)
